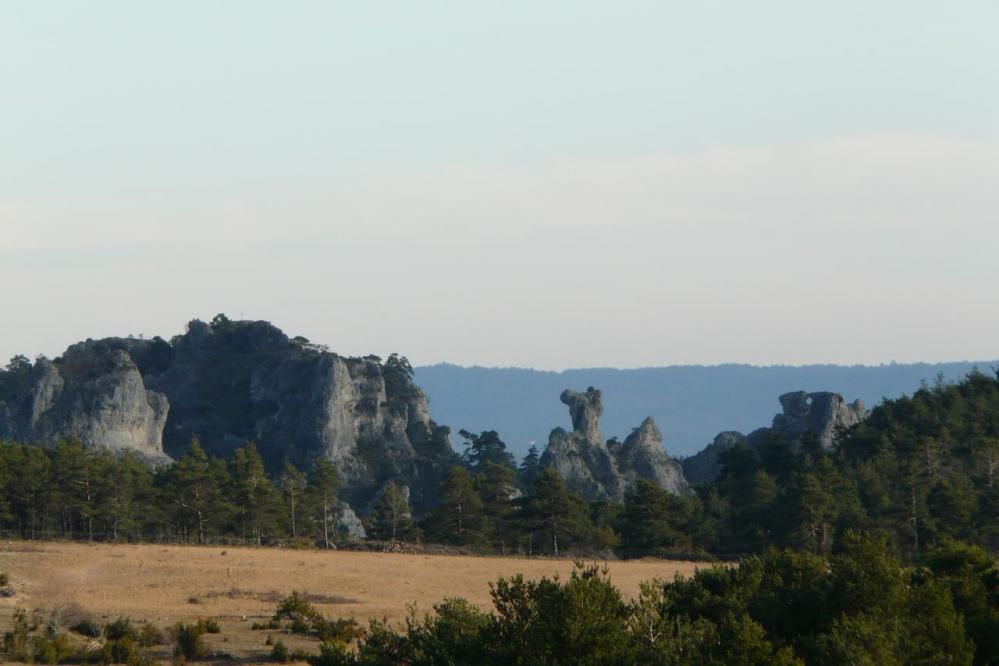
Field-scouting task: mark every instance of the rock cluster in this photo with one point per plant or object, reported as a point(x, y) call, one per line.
point(233, 382)
point(820, 414)
point(605, 470)
point(93, 393)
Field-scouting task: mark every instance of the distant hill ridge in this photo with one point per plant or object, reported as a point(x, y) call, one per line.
point(691, 404)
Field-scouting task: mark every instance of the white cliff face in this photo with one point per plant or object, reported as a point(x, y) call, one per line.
point(93, 394)
point(598, 471)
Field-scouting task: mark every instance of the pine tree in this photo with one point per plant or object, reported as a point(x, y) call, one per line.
point(194, 486)
point(553, 510)
point(391, 516)
point(76, 480)
point(322, 490)
point(483, 448)
point(497, 486)
point(257, 501)
point(293, 485)
point(647, 523)
point(459, 517)
point(530, 467)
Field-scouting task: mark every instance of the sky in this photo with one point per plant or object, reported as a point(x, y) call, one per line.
point(540, 184)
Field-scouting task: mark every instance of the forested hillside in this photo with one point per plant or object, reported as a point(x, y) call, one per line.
point(690, 404)
point(919, 471)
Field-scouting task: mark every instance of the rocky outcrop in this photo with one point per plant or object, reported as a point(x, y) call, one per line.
point(93, 393)
point(600, 470)
point(348, 524)
point(234, 382)
point(298, 401)
point(642, 456)
point(819, 414)
point(704, 467)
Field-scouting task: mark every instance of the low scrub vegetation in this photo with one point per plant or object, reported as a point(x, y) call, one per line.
point(859, 605)
point(86, 642)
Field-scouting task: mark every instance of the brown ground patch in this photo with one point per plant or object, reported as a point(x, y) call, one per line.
point(167, 584)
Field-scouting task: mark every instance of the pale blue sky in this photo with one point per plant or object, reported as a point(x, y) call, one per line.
point(550, 184)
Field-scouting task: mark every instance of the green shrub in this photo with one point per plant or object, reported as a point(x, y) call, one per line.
point(120, 651)
point(305, 619)
point(332, 654)
point(4, 579)
point(53, 649)
point(88, 628)
point(149, 635)
point(279, 652)
point(15, 641)
point(296, 608)
point(210, 626)
point(269, 625)
point(119, 629)
point(190, 643)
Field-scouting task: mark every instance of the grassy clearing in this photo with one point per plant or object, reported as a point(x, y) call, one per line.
point(164, 585)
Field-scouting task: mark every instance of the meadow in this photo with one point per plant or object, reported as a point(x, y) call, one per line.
point(238, 586)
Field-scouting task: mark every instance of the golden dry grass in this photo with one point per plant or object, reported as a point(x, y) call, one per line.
point(166, 584)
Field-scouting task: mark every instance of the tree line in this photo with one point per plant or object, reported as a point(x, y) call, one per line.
point(921, 469)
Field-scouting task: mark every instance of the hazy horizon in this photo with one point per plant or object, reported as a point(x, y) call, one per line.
point(549, 186)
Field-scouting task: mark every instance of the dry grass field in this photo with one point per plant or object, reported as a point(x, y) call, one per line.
point(238, 586)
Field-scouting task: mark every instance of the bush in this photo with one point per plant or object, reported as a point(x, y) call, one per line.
point(149, 635)
point(88, 628)
point(296, 608)
point(332, 654)
point(119, 629)
point(190, 643)
point(15, 641)
point(279, 652)
point(269, 625)
point(53, 649)
point(4, 579)
point(305, 619)
point(120, 651)
point(210, 626)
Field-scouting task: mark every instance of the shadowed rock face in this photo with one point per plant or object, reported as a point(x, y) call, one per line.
point(820, 413)
point(585, 409)
point(601, 471)
point(93, 393)
point(705, 466)
point(231, 383)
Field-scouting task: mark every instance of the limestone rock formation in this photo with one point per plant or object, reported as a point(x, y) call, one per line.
point(820, 414)
point(349, 524)
point(642, 456)
point(599, 470)
point(94, 393)
point(704, 466)
point(298, 401)
point(234, 382)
